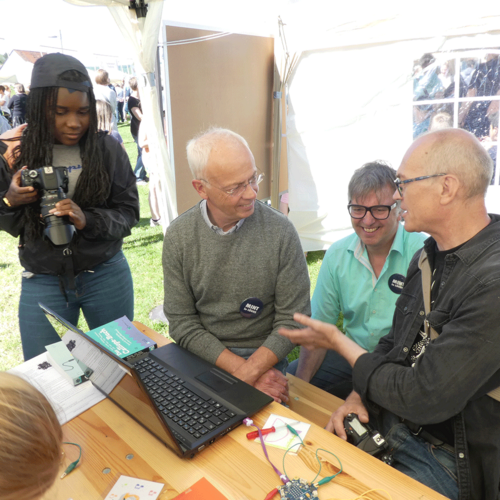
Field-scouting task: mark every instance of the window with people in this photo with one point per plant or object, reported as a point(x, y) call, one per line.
point(459, 89)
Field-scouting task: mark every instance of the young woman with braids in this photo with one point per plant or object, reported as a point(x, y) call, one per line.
point(90, 272)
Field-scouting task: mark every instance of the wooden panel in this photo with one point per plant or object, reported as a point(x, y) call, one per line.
point(224, 82)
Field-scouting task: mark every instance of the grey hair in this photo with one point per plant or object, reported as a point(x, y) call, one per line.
point(199, 148)
point(458, 152)
point(371, 177)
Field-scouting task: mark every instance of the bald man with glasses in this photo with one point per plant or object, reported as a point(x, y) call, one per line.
point(361, 276)
point(234, 268)
point(432, 385)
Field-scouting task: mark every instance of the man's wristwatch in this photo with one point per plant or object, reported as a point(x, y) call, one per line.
point(6, 201)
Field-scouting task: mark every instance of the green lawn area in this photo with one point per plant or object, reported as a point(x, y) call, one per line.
point(143, 250)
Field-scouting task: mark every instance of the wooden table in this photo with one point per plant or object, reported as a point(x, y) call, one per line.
point(114, 444)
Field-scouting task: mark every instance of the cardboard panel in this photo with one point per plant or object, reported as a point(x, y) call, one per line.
point(224, 82)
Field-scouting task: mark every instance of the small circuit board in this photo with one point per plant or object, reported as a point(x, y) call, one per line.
point(298, 489)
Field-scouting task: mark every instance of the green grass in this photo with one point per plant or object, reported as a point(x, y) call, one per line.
point(143, 251)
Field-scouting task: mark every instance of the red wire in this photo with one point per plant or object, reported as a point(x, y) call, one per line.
point(271, 494)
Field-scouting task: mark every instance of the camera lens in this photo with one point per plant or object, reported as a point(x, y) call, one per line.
point(57, 229)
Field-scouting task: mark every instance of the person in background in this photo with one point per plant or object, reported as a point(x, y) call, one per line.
point(490, 142)
point(474, 115)
point(361, 276)
point(17, 105)
point(440, 120)
point(4, 124)
point(86, 271)
point(134, 106)
point(120, 103)
point(105, 120)
point(4, 102)
point(126, 94)
point(31, 441)
point(154, 191)
point(103, 92)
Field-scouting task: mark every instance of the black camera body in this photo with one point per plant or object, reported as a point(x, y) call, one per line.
point(53, 184)
point(366, 438)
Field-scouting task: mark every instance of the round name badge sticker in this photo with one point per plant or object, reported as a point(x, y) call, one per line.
point(251, 308)
point(396, 282)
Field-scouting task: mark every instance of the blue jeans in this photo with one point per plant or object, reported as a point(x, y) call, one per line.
point(103, 294)
point(431, 465)
point(246, 352)
point(139, 170)
point(120, 117)
point(333, 376)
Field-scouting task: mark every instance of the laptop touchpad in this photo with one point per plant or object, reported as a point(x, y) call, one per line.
point(213, 380)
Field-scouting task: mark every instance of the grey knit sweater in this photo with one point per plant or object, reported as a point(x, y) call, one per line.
point(208, 276)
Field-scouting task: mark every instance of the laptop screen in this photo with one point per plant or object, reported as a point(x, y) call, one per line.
point(114, 377)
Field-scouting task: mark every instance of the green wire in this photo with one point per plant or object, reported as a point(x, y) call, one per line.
point(325, 479)
point(72, 465)
point(329, 478)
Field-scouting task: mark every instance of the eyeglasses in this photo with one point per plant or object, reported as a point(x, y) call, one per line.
point(379, 212)
point(399, 184)
point(240, 188)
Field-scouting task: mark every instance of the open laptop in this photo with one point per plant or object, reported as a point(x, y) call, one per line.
point(183, 400)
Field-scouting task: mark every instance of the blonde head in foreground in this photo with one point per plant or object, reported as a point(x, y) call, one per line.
point(30, 440)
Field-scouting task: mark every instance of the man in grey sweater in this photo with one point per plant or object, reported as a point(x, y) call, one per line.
point(234, 268)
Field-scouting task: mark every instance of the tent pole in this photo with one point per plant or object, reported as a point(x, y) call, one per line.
point(275, 175)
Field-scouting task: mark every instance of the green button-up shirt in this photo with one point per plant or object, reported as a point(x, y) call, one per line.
point(347, 283)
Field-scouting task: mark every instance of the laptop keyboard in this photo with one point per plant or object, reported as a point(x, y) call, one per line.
point(180, 402)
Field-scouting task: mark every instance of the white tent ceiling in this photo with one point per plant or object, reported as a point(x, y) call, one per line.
point(350, 96)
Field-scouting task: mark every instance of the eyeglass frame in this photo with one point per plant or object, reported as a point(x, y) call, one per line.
point(399, 183)
point(369, 209)
point(242, 186)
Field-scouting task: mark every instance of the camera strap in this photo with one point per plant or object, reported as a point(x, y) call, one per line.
point(69, 273)
point(68, 266)
point(418, 430)
point(426, 272)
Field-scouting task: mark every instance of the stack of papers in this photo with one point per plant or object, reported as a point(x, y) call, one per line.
point(68, 400)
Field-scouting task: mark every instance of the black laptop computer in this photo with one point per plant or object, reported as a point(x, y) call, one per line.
point(183, 400)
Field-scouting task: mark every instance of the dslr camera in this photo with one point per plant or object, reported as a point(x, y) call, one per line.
point(52, 182)
point(366, 438)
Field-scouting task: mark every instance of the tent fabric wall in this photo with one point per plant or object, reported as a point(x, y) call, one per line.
point(333, 128)
point(16, 69)
point(350, 102)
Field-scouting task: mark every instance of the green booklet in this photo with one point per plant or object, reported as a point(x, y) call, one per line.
point(122, 338)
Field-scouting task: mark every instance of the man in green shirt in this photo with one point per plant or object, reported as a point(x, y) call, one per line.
point(361, 276)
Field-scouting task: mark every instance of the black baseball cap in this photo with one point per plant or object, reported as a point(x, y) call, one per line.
point(47, 69)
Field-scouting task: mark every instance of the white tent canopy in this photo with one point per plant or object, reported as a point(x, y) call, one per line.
point(16, 70)
point(350, 97)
